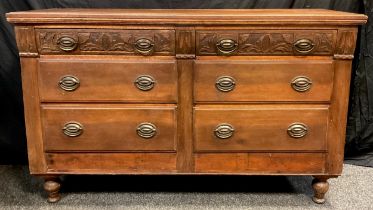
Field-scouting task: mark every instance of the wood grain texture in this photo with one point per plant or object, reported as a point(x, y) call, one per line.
point(185, 160)
point(262, 79)
point(222, 91)
point(188, 16)
point(52, 186)
point(340, 97)
point(338, 116)
point(266, 42)
point(185, 43)
point(104, 41)
point(260, 127)
point(35, 145)
point(108, 79)
point(98, 47)
point(261, 163)
point(109, 127)
point(111, 163)
point(320, 186)
point(346, 43)
point(26, 43)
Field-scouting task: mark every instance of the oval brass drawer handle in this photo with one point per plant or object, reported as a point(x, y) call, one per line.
point(225, 83)
point(72, 129)
point(226, 46)
point(69, 83)
point(297, 130)
point(144, 82)
point(301, 83)
point(144, 46)
point(67, 43)
point(304, 45)
point(224, 131)
point(146, 130)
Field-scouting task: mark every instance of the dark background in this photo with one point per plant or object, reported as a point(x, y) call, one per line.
point(359, 140)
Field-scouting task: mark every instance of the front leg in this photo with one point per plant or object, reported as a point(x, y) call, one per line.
point(52, 187)
point(320, 186)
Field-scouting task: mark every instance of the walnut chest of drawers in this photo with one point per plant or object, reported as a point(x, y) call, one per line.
point(251, 92)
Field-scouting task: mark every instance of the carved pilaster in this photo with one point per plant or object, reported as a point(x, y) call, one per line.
point(185, 43)
point(345, 44)
point(26, 41)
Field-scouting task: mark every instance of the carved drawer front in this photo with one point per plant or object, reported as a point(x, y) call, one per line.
point(266, 42)
point(106, 41)
point(109, 127)
point(260, 128)
point(132, 80)
point(263, 80)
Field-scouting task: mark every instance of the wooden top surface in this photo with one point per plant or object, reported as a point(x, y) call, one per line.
point(186, 16)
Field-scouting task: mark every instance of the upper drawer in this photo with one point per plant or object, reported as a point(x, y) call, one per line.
point(266, 42)
point(106, 41)
point(130, 80)
point(228, 80)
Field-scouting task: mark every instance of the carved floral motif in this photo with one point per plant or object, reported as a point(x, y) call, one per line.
point(207, 43)
point(163, 42)
point(108, 42)
point(324, 43)
point(98, 41)
point(47, 41)
point(267, 42)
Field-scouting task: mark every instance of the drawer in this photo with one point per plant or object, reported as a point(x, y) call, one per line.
point(260, 128)
point(100, 127)
point(119, 79)
point(105, 41)
point(247, 80)
point(266, 42)
point(261, 163)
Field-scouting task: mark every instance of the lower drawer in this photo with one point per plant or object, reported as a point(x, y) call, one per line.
point(261, 163)
point(260, 127)
point(98, 127)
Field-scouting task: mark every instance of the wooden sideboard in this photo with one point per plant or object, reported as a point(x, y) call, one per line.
point(250, 92)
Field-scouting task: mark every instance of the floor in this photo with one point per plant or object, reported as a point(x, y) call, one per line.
point(19, 190)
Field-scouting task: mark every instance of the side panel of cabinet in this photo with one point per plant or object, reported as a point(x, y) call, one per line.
point(29, 72)
point(31, 102)
point(339, 101)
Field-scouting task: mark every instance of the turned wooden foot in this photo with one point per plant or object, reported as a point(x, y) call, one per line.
point(52, 187)
point(320, 187)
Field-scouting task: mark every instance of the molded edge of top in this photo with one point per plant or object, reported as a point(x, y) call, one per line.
point(186, 16)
